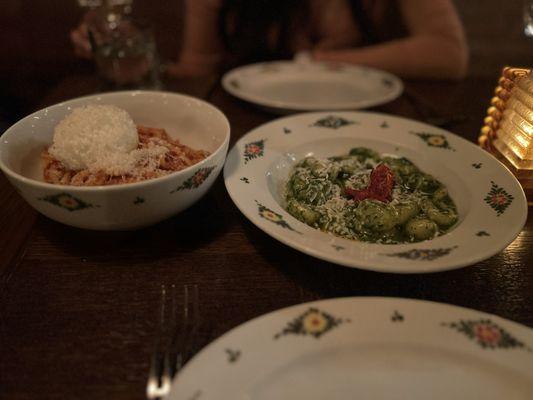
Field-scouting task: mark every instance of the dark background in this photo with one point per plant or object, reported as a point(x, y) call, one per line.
point(34, 40)
point(37, 52)
point(78, 309)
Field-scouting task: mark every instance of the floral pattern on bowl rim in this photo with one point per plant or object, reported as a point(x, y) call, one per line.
point(365, 331)
point(471, 186)
point(199, 177)
point(67, 202)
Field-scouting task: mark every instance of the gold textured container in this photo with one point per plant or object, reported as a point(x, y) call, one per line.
point(508, 128)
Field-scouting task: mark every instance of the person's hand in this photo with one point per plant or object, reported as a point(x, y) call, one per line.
point(95, 21)
point(80, 40)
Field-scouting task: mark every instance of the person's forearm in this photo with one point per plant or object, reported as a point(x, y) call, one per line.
point(414, 57)
point(201, 50)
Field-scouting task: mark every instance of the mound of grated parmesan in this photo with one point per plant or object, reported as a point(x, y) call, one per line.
point(99, 138)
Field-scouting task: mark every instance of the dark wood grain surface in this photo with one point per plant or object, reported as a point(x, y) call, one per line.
point(79, 308)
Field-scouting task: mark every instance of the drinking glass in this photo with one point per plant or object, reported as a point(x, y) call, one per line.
point(126, 56)
point(124, 49)
point(527, 14)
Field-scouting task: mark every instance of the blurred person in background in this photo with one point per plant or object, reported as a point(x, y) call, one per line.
point(409, 38)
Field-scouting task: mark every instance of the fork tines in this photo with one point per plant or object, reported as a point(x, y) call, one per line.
point(183, 339)
point(173, 341)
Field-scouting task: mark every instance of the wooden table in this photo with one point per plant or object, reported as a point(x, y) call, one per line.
point(79, 308)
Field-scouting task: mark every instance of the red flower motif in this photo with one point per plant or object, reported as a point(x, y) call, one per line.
point(499, 199)
point(487, 334)
point(198, 178)
point(253, 149)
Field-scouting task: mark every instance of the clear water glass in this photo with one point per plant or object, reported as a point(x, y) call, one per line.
point(126, 57)
point(527, 14)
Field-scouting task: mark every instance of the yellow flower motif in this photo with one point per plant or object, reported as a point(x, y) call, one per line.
point(314, 322)
point(437, 141)
point(271, 216)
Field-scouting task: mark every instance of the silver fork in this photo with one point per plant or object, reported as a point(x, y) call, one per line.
point(172, 343)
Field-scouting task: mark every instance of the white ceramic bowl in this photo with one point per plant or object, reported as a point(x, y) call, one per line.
point(128, 206)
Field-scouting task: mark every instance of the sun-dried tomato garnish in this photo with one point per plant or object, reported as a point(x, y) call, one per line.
point(379, 188)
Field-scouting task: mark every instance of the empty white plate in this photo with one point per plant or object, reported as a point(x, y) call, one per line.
point(365, 348)
point(283, 86)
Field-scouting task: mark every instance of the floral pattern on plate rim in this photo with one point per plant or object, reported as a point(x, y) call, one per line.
point(332, 122)
point(498, 199)
point(272, 216)
point(397, 316)
point(254, 150)
point(233, 355)
point(487, 334)
point(434, 140)
point(423, 254)
point(312, 322)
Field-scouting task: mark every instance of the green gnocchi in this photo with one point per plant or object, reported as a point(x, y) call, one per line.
point(320, 193)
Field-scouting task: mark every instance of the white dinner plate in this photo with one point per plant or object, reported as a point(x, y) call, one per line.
point(283, 86)
point(491, 203)
point(365, 348)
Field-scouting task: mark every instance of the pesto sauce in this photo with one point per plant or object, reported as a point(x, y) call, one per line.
point(420, 208)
